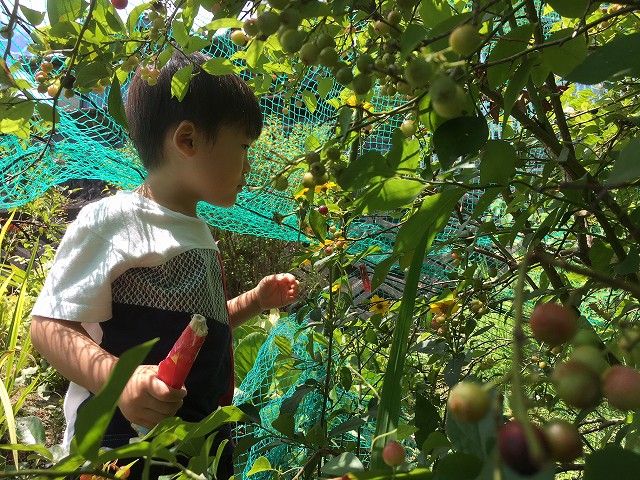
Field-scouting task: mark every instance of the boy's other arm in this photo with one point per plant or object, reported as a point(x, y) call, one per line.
point(272, 291)
point(68, 348)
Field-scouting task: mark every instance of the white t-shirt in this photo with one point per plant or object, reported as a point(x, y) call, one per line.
point(131, 270)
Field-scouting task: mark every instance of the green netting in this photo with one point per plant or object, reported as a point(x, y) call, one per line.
point(287, 389)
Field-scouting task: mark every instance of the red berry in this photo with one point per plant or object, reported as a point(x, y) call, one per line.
point(564, 440)
point(323, 209)
point(553, 324)
point(119, 4)
point(394, 454)
point(515, 452)
point(621, 386)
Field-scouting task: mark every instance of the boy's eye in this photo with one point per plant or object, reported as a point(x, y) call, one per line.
point(245, 146)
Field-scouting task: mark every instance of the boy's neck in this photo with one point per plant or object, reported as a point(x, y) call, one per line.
point(163, 194)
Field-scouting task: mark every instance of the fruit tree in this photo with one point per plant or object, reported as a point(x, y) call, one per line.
point(464, 186)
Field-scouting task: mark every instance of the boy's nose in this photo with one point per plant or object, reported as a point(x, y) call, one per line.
point(247, 165)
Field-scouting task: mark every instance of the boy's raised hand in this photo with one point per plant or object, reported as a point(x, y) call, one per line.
point(146, 400)
point(276, 291)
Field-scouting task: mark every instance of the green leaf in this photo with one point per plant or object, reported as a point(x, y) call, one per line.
point(179, 32)
point(573, 8)
point(223, 23)
point(630, 264)
point(475, 438)
point(345, 116)
point(116, 105)
point(218, 66)
point(30, 430)
point(104, 15)
point(88, 74)
point(254, 50)
point(364, 170)
point(223, 415)
point(381, 271)
point(411, 157)
point(612, 461)
point(310, 100)
point(627, 166)
point(432, 216)
point(458, 465)
point(318, 224)
point(349, 425)
point(19, 447)
point(312, 143)
point(388, 195)
point(34, 17)
point(260, 465)
point(346, 378)
point(485, 200)
point(562, 59)
point(15, 116)
point(391, 394)
point(9, 419)
point(459, 136)
point(134, 16)
point(512, 43)
point(427, 418)
point(283, 344)
point(600, 255)
point(514, 88)
point(180, 82)
point(243, 445)
point(165, 56)
point(94, 416)
point(497, 162)
point(434, 12)
point(63, 30)
point(47, 113)
point(64, 10)
point(290, 404)
point(611, 61)
point(324, 86)
point(415, 474)
point(246, 353)
point(196, 44)
point(411, 38)
point(435, 440)
point(285, 424)
point(341, 465)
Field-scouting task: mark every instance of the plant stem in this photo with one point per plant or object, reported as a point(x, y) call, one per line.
point(518, 397)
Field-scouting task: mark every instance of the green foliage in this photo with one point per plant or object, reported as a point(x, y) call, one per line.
point(520, 180)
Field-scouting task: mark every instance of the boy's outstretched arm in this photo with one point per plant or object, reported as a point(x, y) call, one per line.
point(68, 348)
point(273, 291)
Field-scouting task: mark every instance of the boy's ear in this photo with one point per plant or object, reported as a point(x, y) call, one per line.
point(184, 138)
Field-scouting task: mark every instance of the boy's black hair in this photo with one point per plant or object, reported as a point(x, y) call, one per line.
point(210, 102)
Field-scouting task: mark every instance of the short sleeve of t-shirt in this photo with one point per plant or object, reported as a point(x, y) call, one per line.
point(78, 286)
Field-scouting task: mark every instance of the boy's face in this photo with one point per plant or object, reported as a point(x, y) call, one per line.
point(219, 169)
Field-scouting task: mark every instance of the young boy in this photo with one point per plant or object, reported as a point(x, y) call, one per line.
point(138, 265)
